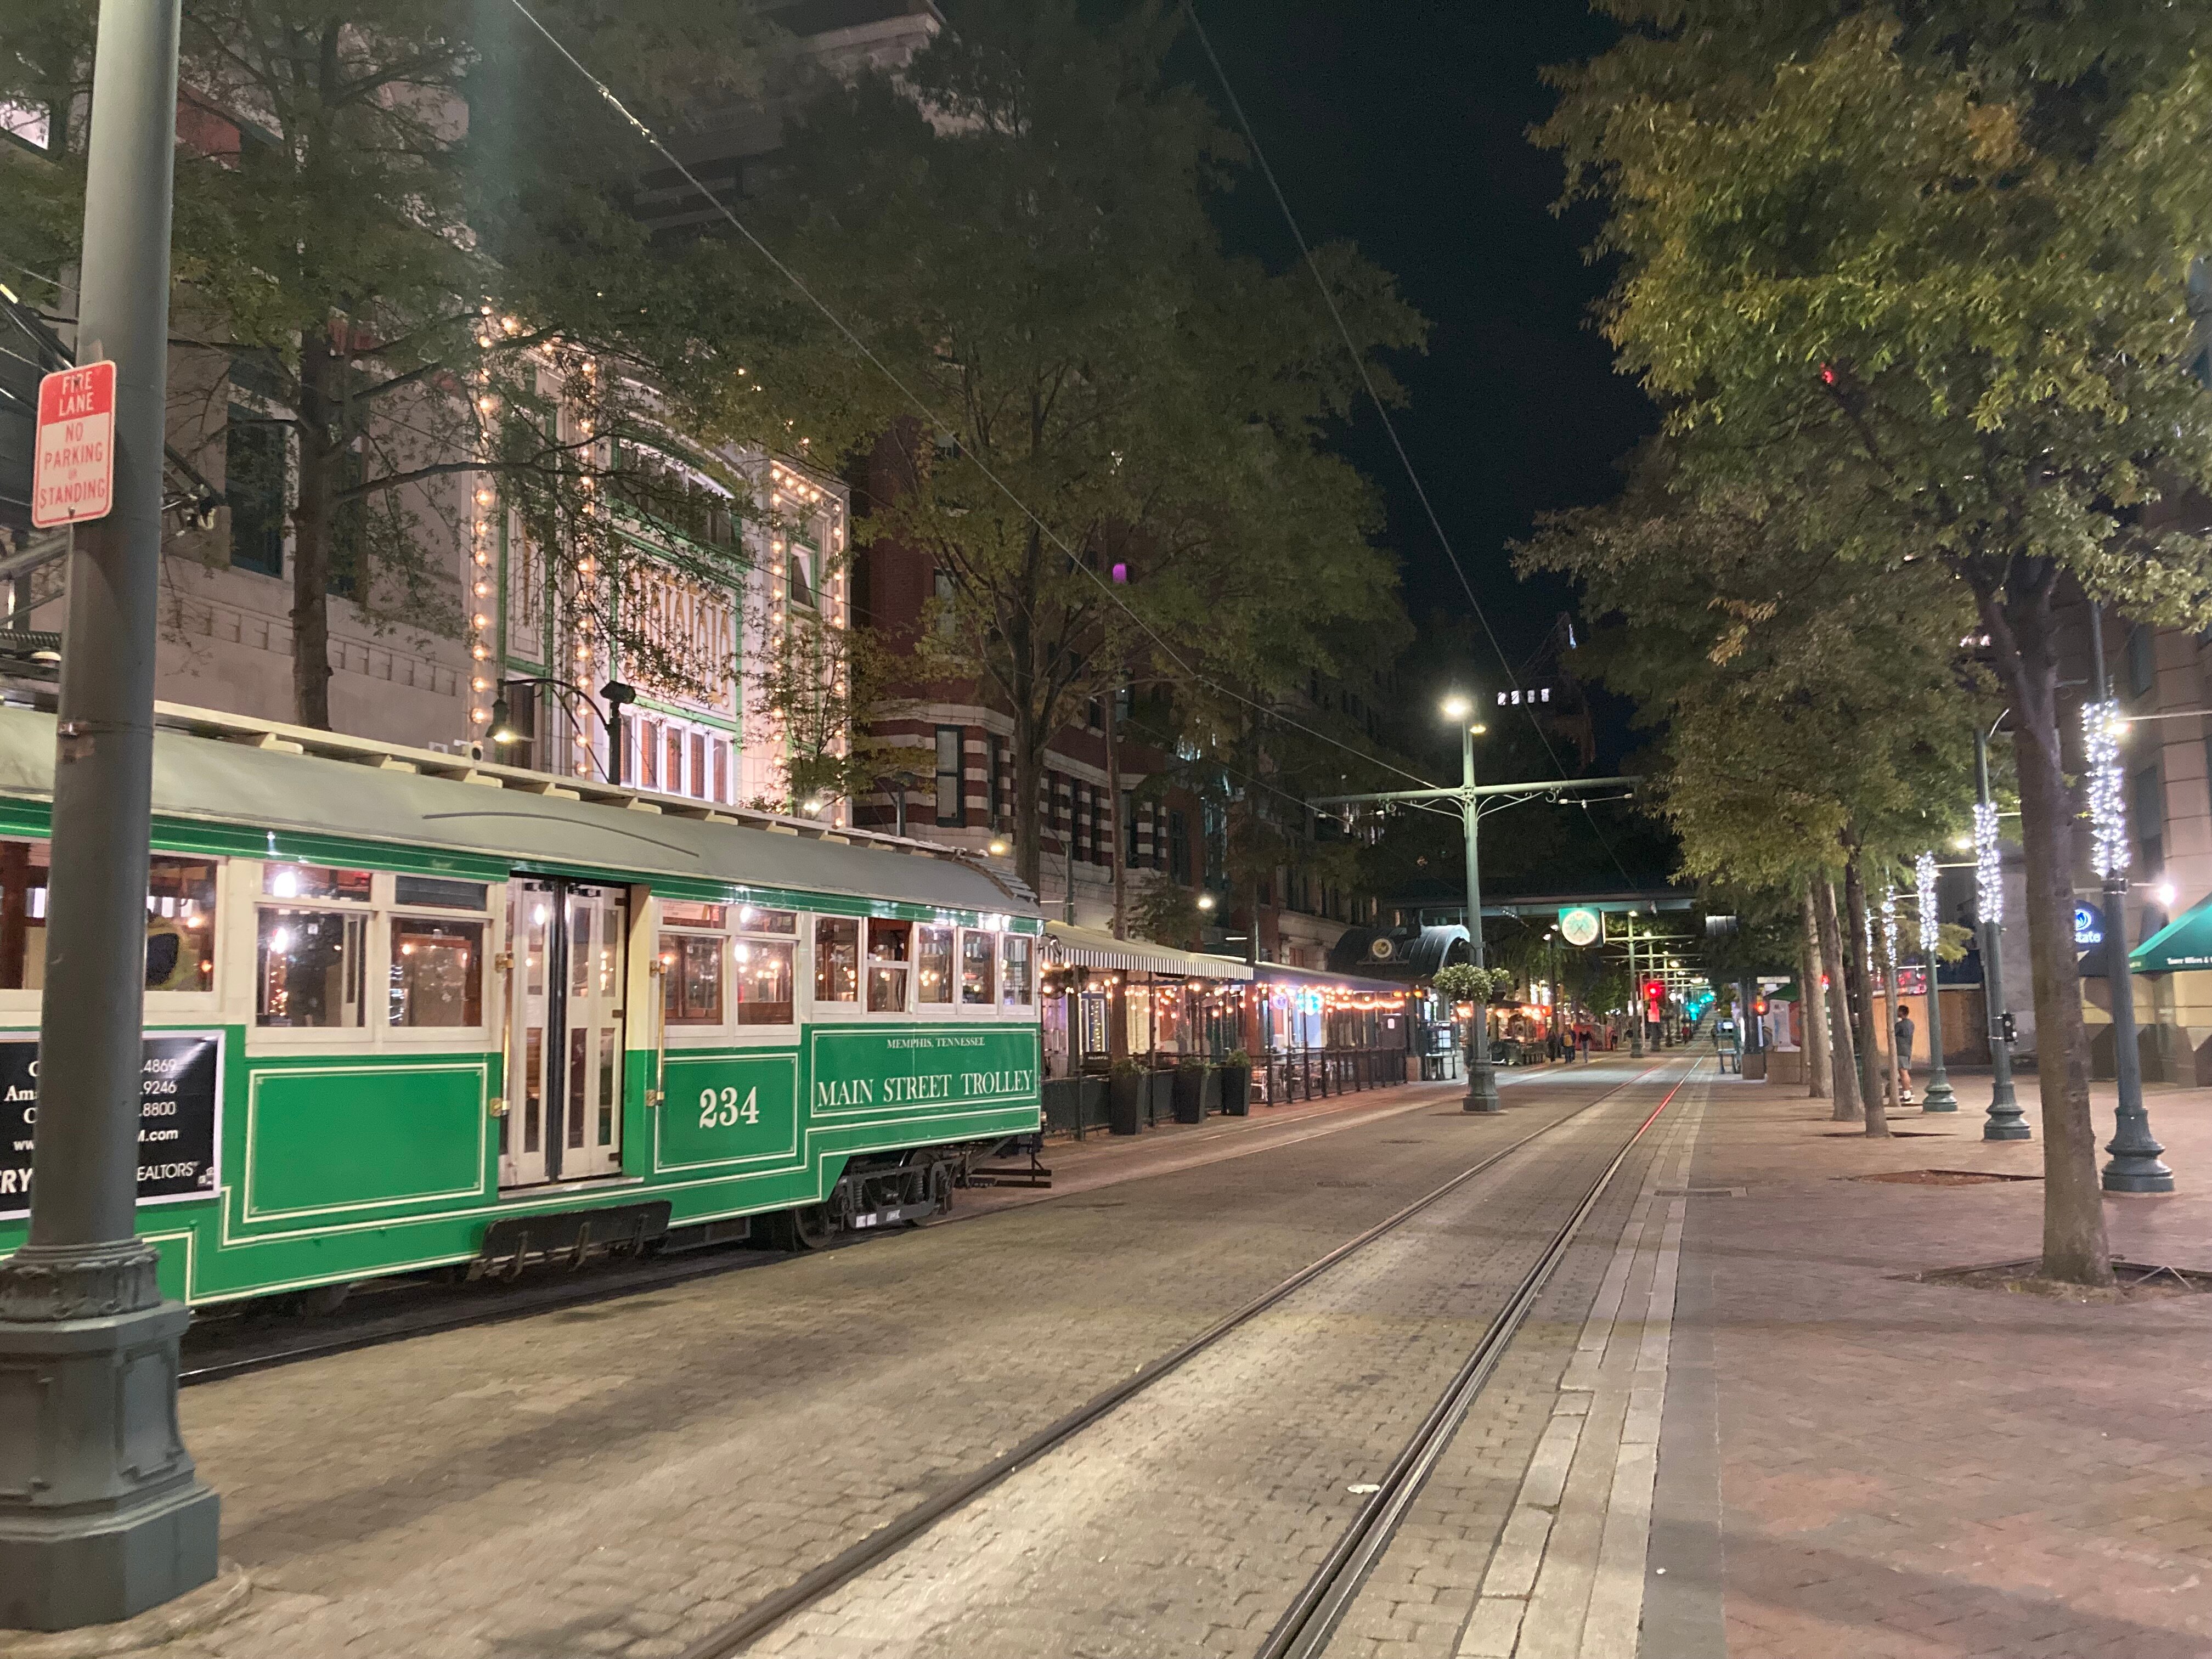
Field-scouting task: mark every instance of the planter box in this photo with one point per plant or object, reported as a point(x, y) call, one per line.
point(1785, 1066)
point(1236, 1091)
point(1190, 1097)
point(1125, 1109)
point(1755, 1065)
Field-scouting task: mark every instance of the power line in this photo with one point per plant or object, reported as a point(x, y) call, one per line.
point(860, 345)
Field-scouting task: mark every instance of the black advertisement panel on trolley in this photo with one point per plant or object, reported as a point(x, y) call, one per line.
point(179, 1117)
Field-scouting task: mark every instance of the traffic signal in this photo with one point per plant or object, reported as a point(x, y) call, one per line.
point(1759, 1006)
point(1654, 990)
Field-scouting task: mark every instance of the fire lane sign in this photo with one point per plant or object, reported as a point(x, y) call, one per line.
point(73, 477)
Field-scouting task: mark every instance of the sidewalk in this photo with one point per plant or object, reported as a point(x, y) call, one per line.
point(1855, 1466)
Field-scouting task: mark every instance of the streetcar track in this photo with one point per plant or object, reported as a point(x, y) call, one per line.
point(534, 1301)
point(1306, 1627)
point(888, 1539)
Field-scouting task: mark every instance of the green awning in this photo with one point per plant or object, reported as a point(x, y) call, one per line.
point(2182, 945)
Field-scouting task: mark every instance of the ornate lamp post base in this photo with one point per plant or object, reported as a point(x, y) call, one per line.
point(101, 1515)
point(2005, 1120)
point(2135, 1165)
point(1939, 1096)
point(1482, 1086)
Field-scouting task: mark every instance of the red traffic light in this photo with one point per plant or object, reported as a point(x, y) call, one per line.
point(1655, 990)
point(1759, 1006)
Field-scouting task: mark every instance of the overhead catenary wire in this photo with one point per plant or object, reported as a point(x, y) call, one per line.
point(923, 408)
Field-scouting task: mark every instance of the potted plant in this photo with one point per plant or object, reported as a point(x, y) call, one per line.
point(1237, 1084)
point(1125, 1096)
point(1190, 1090)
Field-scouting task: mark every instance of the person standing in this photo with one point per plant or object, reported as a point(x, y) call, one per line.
point(1903, 1052)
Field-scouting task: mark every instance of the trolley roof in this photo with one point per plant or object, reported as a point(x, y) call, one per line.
point(294, 781)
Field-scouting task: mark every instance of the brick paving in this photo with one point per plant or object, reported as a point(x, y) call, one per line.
point(621, 1478)
point(1912, 1471)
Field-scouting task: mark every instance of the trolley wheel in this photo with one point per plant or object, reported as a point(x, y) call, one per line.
point(325, 1298)
point(806, 1228)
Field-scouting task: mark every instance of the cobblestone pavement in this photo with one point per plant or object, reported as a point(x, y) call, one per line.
point(621, 1478)
point(1185, 1524)
point(1912, 1471)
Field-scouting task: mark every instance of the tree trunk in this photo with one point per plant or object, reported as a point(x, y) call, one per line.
point(1120, 844)
point(2074, 1248)
point(1810, 1008)
point(314, 521)
point(1871, 1097)
point(1843, 1060)
point(1029, 790)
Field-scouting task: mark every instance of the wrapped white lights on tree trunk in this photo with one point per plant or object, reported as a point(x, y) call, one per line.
point(1989, 865)
point(2108, 818)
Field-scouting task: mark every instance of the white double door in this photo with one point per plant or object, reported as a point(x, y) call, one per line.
point(568, 943)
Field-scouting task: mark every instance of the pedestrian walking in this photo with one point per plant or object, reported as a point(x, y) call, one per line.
point(1582, 1039)
point(1904, 1052)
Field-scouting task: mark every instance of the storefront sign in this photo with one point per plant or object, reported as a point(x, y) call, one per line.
point(179, 1118)
point(2089, 925)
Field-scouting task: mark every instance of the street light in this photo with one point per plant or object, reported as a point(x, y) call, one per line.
point(1457, 708)
point(1206, 901)
point(615, 694)
point(1481, 1072)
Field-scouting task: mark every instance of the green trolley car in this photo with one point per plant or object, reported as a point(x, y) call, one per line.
point(404, 1009)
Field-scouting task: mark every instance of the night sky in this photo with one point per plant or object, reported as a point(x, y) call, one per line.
point(1402, 125)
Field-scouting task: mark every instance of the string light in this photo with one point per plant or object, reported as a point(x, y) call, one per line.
point(1931, 925)
point(1989, 865)
point(1889, 924)
point(2108, 819)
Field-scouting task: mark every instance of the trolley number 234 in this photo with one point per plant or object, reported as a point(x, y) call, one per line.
point(720, 1108)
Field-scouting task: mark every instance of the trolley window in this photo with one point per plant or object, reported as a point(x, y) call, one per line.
point(1017, 990)
point(435, 893)
point(180, 930)
point(437, 972)
point(310, 967)
point(978, 954)
point(888, 966)
point(763, 982)
point(751, 919)
point(933, 966)
point(23, 865)
point(691, 989)
point(836, 959)
point(317, 881)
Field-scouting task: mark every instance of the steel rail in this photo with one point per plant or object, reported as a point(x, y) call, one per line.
point(1305, 1628)
point(895, 1534)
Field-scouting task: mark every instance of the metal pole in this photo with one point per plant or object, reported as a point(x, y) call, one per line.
point(1635, 996)
point(2135, 1166)
point(1938, 1096)
point(2004, 1120)
point(1481, 1074)
point(102, 1514)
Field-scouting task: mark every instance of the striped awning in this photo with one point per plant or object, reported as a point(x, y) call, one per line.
point(1090, 947)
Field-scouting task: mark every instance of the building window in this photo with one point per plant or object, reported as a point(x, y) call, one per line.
point(1178, 848)
point(941, 591)
point(948, 775)
point(254, 471)
point(699, 764)
point(995, 815)
point(1129, 827)
point(648, 754)
point(2142, 659)
point(722, 770)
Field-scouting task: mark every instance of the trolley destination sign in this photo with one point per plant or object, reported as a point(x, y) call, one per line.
point(177, 1117)
point(73, 468)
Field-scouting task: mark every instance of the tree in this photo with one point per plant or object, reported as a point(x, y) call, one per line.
point(1931, 270)
point(819, 686)
point(385, 231)
point(1119, 450)
point(1811, 703)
